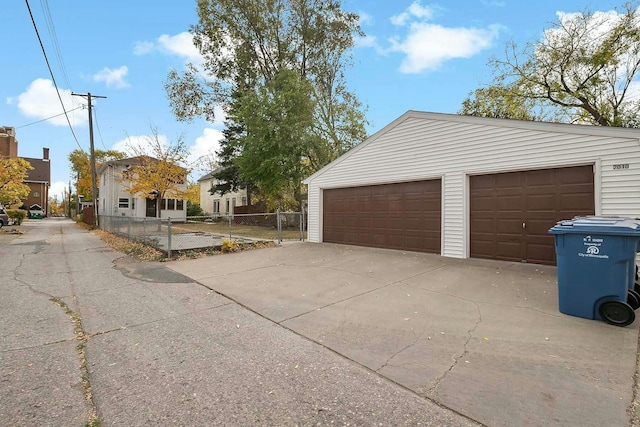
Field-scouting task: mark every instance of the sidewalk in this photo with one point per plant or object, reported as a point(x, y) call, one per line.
point(483, 338)
point(89, 335)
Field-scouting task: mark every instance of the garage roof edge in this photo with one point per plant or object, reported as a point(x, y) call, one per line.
point(358, 147)
point(631, 133)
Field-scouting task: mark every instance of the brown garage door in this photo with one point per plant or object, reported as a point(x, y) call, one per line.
point(395, 216)
point(511, 213)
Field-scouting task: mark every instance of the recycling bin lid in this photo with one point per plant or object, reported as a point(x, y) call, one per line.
point(598, 225)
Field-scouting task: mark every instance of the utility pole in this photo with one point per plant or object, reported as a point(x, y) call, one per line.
point(93, 156)
point(77, 194)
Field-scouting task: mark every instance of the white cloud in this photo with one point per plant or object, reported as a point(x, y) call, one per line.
point(180, 45)
point(206, 146)
point(57, 190)
point(40, 101)
point(139, 143)
point(142, 48)
point(220, 116)
point(113, 78)
point(427, 46)
point(416, 10)
point(364, 18)
point(201, 153)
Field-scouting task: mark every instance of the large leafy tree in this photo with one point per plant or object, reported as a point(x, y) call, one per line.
point(158, 171)
point(583, 69)
point(500, 102)
point(278, 119)
point(247, 44)
point(13, 172)
point(81, 167)
point(229, 177)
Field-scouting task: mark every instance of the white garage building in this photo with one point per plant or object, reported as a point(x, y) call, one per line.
point(465, 186)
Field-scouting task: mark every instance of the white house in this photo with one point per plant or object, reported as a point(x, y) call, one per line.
point(216, 203)
point(464, 186)
point(114, 200)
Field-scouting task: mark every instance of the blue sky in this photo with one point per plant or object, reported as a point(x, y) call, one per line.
point(416, 55)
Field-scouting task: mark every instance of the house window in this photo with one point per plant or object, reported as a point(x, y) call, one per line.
point(179, 205)
point(133, 204)
point(244, 201)
point(233, 205)
point(227, 206)
point(123, 203)
point(216, 206)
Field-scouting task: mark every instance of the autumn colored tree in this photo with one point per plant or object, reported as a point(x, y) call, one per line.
point(13, 173)
point(192, 195)
point(157, 172)
point(583, 69)
point(81, 167)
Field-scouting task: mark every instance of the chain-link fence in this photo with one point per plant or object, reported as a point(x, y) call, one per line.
point(203, 232)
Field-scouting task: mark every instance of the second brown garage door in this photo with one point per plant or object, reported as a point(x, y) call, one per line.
point(511, 213)
point(396, 216)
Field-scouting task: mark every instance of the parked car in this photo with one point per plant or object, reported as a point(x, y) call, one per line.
point(4, 218)
point(36, 212)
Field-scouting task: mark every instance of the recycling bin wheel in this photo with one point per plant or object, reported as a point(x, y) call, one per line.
point(633, 299)
point(617, 313)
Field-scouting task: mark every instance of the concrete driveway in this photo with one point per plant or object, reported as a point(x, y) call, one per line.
point(483, 338)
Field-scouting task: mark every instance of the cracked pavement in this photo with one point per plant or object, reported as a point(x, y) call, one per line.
point(483, 338)
point(88, 335)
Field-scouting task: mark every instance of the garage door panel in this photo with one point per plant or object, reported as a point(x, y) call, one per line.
point(400, 216)
point(539, 202)
point(538, 227)
point(484, 204)
point(508, 250)
point(538, 253)
point(576, 202)
point(509, 202)
point(536, 198)
point(510, 226)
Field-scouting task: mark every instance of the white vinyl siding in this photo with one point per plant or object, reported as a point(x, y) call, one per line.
point(421, 146)
point(454, 211)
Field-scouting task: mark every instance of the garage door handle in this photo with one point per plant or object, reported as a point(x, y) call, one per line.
point(524, 225)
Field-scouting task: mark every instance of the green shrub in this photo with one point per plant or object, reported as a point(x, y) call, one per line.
point(17, 216)
point(194, 210)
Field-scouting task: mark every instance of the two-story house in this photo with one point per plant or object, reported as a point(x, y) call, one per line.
point(217, 204)
point(39, 178)
point(115, 200)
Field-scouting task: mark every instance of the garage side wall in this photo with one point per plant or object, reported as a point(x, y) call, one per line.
point(418, 148)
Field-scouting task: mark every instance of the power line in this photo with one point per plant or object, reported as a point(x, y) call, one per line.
point(48, 118)
point(35, 27)
point(95, 115)
point(54, 40)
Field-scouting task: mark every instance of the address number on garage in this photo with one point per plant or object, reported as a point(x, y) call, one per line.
point(621, 166)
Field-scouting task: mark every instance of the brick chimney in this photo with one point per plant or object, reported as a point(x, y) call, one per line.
point(45, 154)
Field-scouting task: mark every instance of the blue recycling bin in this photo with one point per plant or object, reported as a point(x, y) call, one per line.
point(596, 268)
